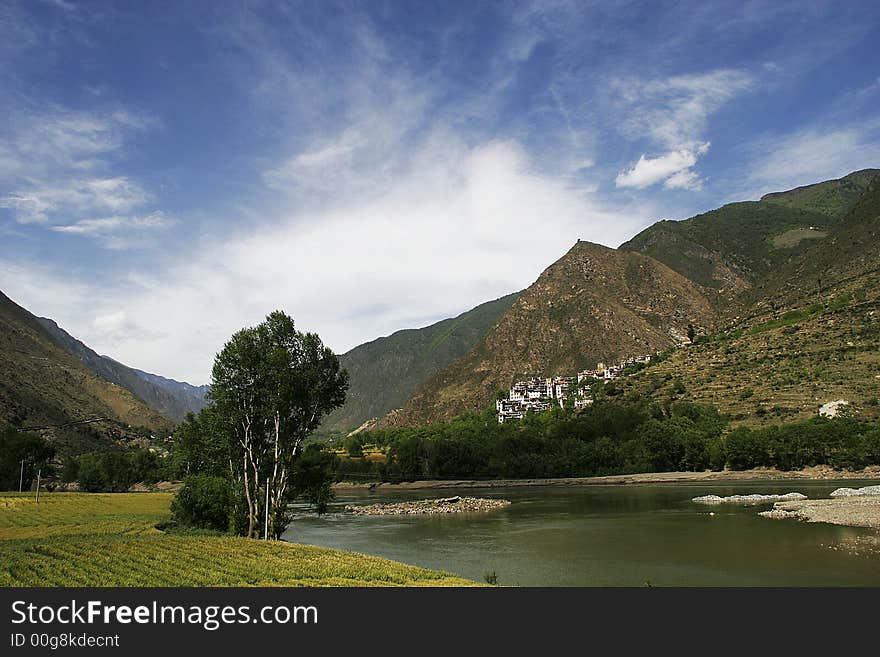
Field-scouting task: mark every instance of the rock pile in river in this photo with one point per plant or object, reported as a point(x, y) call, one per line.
point(852, 510)
point(748, 499)
point(856, 492)
point(443, 505)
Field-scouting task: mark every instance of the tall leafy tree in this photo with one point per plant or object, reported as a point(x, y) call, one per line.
point(21, 456)
point(198, 447)
point(271, 386)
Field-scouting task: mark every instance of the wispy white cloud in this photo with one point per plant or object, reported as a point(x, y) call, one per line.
point(674, 168)
point(61, 4)
point(329, 167)
point(44, 199)
point(109, 224)
point(118, 232)
point(673, 113)
point(70, 140)
point(61, 170)
point(28, 207)
point(808, 156)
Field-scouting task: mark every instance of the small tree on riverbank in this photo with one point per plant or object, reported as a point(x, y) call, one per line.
point(271, 385)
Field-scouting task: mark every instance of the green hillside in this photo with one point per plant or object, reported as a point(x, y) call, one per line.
point(832, 197)
point(843, 263)
point(385, 372)
point(806, 334)
point(730, 249)
point(45, 386)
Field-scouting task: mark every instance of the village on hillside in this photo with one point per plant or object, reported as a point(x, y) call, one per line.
point(540, 393)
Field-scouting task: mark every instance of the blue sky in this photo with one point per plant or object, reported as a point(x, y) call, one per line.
point(172, 171)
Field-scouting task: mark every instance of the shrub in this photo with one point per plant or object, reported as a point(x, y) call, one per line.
point(203, 502)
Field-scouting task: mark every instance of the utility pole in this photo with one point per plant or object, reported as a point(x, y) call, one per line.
point(266, 530)
point(21, 477)
point(39, 472)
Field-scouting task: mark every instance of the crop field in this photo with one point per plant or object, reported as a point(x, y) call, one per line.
point(80, 539)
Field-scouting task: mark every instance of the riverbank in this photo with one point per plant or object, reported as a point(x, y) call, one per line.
point(756, 474)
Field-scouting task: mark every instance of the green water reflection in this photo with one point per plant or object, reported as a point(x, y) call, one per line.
point(609, 536)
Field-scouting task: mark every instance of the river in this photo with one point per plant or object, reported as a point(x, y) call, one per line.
point(630, 535)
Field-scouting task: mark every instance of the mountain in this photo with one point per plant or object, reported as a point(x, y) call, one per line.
point(171, 398)
point(44, 385)
point(849, 257)
point(784, 293)
point(593, 304)
point(384, 373)
point(187, 397)
point(806, 334)
point(729, 249)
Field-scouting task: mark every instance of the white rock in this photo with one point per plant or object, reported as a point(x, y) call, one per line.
point(779, 514)
point(834, 409)
point(854, 492)
point(748, 499)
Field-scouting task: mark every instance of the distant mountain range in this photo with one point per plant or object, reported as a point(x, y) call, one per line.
point(384, 373)
point(172, 399)
point(783, 292)
point(46, 385)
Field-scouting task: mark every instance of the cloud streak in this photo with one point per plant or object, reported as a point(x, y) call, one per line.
point(61, 167)
point(44, 199)
point(811, 155)
point(467, 224)
point(117, 232)
point(673, 113)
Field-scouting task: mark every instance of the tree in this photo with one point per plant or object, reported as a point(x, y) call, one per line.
point(198, 446)
point(16, 447)
point(313, 473)
point(354, 446)
point(692, 333)
point(270, 387)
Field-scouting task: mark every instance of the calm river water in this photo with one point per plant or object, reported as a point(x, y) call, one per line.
point(608, 536)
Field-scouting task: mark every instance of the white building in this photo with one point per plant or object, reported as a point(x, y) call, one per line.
point(537, 393)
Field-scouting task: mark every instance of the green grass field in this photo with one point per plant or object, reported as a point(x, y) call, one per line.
point(81, 539)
